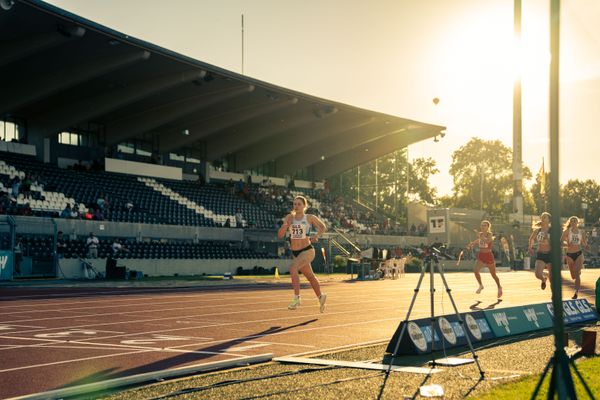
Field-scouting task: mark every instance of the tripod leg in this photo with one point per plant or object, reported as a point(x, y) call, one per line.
point(583, 382)
point(460, 320)
point(402, 331)
point(410, 307)
point(539, 384)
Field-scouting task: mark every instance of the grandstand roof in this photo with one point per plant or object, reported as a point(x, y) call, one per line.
point(65, 70)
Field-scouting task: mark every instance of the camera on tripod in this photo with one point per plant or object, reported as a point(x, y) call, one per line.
point(434, 252)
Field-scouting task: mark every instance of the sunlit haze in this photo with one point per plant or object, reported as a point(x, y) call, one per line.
point(395, 57)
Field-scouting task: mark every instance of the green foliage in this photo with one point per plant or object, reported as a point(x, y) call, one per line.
point(524, 387)
point(382, 184)
point(576, 192)
point(482, 170)
point(339, 261)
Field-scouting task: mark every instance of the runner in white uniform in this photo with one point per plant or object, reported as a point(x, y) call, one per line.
point(298, 224)
point(574, 239)
point(541, 236)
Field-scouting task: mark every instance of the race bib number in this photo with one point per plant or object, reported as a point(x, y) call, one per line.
point(298, 231)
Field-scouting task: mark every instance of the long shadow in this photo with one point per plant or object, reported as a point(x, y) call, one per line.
point(185, 358)
point(475, 306)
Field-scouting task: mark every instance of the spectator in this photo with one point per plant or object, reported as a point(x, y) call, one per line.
point(4, 202)
point(227, 223)
point(101, 201)
point(117, 248)
point(413, 230)
point(26, 210)
point(98, 215)
point(61, 245)
point(239, 187)
point(88, 214)
point(239, 218)
point(26, 187)
point(129, 206)
point(18, 252)
point(16, 187)
point(92, 243)
point(75, 212)
point(398, 252)
point(66, 213)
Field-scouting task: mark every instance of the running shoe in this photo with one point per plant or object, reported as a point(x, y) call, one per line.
point(575, 296)
point(479, 289)
point(544, 284)
point(294, 304)
point(322, 299)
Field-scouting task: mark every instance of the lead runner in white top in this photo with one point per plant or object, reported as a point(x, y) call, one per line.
point(298, 224)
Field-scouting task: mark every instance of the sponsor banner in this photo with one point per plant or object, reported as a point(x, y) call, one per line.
point(448, 333)
point(575, 311)
point(516, 320)
point(484, 325)
point(6, 264)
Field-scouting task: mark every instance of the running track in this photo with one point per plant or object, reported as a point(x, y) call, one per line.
point(52, 338)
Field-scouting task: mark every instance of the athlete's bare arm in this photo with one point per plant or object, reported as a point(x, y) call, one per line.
point(287, 221)
point(321, 228)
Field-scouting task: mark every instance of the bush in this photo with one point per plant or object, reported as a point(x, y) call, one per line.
point(339, 264)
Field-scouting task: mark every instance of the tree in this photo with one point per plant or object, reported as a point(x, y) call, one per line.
point(576, 192)
point(482, 175)
point(421, 170)
point(382, 183)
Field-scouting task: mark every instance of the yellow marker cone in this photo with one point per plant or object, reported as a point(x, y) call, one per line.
point(276, 273)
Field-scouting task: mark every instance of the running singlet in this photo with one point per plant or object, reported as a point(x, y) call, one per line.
point(543, 237)
point(299, 229)
point(574, 238)
point(483, 244)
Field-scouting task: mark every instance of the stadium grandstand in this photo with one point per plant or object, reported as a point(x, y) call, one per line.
point(191, 166)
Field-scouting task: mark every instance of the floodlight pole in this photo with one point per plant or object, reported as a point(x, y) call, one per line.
point(517, 161)
point(561, 382)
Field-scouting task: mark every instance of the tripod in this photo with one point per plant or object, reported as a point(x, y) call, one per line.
point(431, 259)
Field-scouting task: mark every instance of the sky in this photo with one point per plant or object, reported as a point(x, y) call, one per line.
point(396, 56)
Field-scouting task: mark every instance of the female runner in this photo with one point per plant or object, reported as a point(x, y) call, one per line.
point(298, 223)
point(541, 235)
point(485, 257)
point(575, 239)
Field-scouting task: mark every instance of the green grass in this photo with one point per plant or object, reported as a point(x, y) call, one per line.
point(523, 388)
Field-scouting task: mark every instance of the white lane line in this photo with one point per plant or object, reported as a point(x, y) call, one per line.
point(249, 347)
point(261, 301)
point(463, 305)
point(265, 310)
point(72, 360)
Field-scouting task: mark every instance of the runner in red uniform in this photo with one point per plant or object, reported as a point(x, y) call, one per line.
point(485, 257)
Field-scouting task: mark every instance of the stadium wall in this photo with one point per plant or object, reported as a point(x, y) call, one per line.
point(73, 268)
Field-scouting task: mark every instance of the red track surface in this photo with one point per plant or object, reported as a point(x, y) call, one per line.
point(51, 338)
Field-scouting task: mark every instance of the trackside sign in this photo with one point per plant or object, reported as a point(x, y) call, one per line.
point(447, 331)
point(6, 264)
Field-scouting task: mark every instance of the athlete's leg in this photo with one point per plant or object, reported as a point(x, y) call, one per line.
point(576, 273)
point(539, 272)
point(307, 271)
point(492, 269)
point(476, 270)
